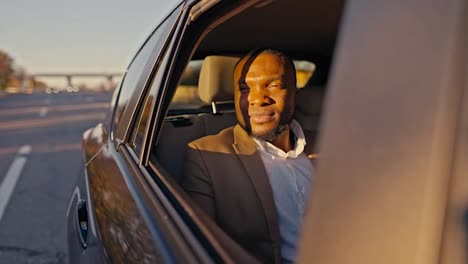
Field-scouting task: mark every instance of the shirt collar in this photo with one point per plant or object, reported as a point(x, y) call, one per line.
point(266, 147)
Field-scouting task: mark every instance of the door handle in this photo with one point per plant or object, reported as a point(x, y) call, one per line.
point(82, 222)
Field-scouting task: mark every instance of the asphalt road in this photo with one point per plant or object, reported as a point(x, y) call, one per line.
point(40, 159)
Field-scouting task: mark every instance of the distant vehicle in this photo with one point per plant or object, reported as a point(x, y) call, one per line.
point(72, 89)
point(391, 185)
point(18, 90)
point(52, 90)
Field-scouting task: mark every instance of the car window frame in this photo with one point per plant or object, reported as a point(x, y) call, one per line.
point(113, 106)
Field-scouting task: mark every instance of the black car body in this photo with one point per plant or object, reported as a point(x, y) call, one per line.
point(391, 185)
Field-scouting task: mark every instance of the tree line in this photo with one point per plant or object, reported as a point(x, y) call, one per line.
point(6, 69)
point(13, 76)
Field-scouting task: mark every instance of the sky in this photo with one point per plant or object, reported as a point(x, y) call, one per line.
point(76, 36)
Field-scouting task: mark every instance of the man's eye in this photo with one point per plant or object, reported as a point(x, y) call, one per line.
point(274, 85)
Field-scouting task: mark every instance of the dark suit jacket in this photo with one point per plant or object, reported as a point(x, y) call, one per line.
point(225, 176)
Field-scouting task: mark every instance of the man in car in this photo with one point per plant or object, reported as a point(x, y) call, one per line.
point(253, 179)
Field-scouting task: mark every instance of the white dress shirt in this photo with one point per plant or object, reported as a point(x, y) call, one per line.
point(290, 175)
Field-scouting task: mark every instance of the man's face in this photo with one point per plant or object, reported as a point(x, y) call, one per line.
point(264, 94)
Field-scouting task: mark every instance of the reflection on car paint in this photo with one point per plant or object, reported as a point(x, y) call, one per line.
point(122, 228)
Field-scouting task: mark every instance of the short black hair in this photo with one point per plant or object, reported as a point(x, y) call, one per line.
point(285, 58)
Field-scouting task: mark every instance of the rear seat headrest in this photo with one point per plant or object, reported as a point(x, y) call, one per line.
point(216, 82)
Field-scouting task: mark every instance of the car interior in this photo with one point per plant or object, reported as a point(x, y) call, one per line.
point(202, 103)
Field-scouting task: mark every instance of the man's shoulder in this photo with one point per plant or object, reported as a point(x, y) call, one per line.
point(221, 141)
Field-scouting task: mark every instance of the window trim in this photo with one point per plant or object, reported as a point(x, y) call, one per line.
point(114, 109)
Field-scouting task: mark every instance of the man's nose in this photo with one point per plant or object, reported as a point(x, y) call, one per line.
point(259, 97)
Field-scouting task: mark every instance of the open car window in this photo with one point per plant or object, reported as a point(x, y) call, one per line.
point(187, 99)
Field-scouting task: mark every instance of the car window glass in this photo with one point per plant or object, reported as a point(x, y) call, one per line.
point(138, 135)
point(131, 78)
point(138, 131)
point(136, 71)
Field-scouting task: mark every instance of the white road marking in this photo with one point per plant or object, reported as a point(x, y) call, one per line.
point(12, 176)
point(43, 112)
point(24, 150)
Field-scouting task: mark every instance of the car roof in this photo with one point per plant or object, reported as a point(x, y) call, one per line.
point(306, 31)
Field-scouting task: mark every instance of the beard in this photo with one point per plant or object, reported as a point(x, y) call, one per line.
point(272, 134)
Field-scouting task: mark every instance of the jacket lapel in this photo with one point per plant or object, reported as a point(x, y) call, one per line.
point(246, 151)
